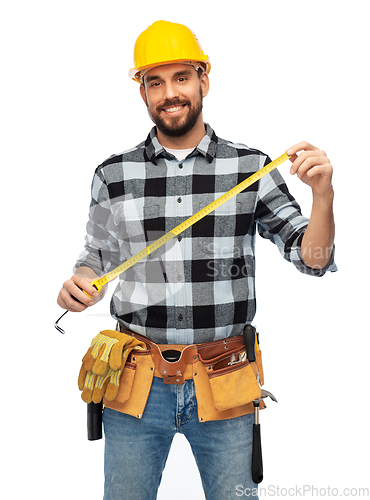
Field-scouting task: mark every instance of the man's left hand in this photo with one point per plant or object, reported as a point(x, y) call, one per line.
point(312, 167)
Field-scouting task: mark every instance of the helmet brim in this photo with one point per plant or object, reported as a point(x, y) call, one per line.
point(138, 73)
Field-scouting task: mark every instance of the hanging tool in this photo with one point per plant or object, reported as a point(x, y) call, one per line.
point(252, 346)
point(94, 421)
point(249, 334)
point(257, 466)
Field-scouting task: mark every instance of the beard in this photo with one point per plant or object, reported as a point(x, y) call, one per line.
point(177, 126)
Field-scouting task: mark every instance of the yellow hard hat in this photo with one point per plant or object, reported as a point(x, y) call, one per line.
point(166, 43)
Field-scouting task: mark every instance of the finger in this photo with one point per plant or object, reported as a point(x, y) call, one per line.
point(293, 157)
point(66, 301)
point(310, 163)
point(324, 170)
point(73, 295)
point(85, 285)
point(301, 146)
point(303, 157)
point(79, 295)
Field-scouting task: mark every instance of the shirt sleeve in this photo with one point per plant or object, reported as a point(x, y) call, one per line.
point(101, 252)
point(279, 219)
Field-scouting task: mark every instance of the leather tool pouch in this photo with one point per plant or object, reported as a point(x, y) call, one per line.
point(232, 379)
point(135, 384)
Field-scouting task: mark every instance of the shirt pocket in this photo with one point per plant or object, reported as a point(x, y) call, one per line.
point(218, 247)
point(222, 244)
point(131, 219)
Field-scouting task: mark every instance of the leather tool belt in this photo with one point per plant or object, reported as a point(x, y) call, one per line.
point(226, 383)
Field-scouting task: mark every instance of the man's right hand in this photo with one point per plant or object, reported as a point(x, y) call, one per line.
point(74, 289)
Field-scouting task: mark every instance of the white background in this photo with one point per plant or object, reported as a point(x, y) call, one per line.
point(282, 72)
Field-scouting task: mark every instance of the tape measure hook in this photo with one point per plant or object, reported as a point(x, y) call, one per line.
point(57, 321)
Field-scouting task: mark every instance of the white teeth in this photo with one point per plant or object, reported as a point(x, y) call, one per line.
point(173, 110)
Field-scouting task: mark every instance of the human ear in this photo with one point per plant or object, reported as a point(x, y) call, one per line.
point(143, 94)
point(204, 83)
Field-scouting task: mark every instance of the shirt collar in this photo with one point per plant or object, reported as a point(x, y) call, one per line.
point(207, 146)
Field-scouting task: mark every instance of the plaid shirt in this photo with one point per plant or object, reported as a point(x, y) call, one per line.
point(201, 286)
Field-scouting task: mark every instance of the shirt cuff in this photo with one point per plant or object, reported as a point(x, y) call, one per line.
point(330, 266)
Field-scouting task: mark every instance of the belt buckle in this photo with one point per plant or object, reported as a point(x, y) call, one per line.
point(172, 356)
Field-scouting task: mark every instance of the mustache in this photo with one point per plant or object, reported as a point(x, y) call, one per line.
point(172, 103)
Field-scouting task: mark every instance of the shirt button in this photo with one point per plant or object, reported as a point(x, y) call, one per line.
point(181, 165)
point(181, 317)
point(179, 199)
point(179, 238)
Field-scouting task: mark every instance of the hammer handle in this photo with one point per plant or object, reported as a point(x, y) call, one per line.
point(249, 334)
point(94, 421)
point(257, 467)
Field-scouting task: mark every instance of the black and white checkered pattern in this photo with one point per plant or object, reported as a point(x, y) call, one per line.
point(201, 286)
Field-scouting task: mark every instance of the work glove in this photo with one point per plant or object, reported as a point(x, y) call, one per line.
point(103, 363)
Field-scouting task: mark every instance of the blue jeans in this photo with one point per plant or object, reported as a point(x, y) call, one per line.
point(136, 450)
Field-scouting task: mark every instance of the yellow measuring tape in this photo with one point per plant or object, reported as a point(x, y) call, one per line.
point(100, 282)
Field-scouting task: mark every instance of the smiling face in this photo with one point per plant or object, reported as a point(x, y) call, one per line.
point(174, 97)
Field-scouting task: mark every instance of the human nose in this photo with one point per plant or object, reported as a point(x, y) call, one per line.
point(170, 91)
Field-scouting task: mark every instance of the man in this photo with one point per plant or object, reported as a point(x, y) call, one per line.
point(200, 290)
